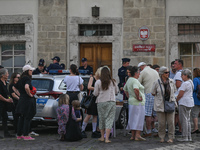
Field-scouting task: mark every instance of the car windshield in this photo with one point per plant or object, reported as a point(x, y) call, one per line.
point(42, 84)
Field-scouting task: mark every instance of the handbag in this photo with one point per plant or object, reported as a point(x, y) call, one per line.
point(169, 107)
point(87, 101)
point(73, 132)
point(80, 95)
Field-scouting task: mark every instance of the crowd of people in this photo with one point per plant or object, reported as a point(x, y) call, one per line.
point(148, 89)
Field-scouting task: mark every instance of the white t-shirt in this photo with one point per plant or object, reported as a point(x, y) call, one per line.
point(73, 83)
point(187, 99)
point(177, 77)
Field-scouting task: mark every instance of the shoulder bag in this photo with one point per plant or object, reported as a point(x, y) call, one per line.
point(80, 95)
point(73, 132)
point(169, 107)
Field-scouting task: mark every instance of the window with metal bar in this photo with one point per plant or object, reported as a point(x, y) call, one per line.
point(15, 29)
point(95, 30)
point(189, 29)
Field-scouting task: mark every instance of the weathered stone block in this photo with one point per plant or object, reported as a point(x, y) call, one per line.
point(61, 28)
point(159, 43)
point(129, 22)
point(48, 28)
point(63, 34)
point(53, 35)
point(136, 60)
point(138, 3)
point(60, 3)
point(158, 12)
point(160, 36)
point(41, 48)
point(52, 48)
point(48, 2)
point(39, 28)
point(160, 52)
point(42, 35)
point(63, 49)
point(57, 11)
point(50, 20)
point(158, 21)
point(159, 29)
point(158, 3)
point(131, 13)
point(130, 36)
point(59, 41)
point(127, 45)
point(142, 22)
point(128, 3)
point(135, 29)
point(152, 36)
point(127, 29)
point(159, 61)
point(148, 3)
point(64, 20)
point(145, 13)
point(44, 41)
point(44, 11)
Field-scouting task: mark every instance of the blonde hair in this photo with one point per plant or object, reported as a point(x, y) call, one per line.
point(63, 99)
point(76, 104)
point(98, 72)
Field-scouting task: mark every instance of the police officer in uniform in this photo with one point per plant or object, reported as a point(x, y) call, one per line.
point(55, 64)
point(85, 66)
point(41, 68)
point(122, 73)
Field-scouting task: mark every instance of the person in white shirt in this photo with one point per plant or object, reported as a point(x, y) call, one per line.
point(186, 102)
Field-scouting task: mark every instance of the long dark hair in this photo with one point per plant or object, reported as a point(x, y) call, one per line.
point(25, 73)
point(196, 72)
point(74, 69)
point(106, 78)
point(14, 75)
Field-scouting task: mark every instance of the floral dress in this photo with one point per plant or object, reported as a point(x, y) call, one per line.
point(63, 117)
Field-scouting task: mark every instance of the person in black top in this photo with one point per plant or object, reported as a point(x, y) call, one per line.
point(122, 73)
point(41, 68)
point(55, 64)
point(26, 107)
point(4, 101)
point(85, 66)
point(13, 80)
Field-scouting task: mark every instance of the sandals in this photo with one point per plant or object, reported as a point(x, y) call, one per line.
point(170, 141)
point(101, 140)
point(162, 141)
point(107, 141)
point(132, 138)
point(140, 139)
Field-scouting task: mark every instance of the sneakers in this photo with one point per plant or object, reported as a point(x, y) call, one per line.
point(20, 137)
point(84, 135)
point(154, 130)
point(182, 139)
point(28, 138)
point(96, 134)
point(33, 134)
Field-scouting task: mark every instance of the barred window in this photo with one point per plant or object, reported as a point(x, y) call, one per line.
point(12, 56)
point(189, 29)
point(7, 29)
point(95, 30)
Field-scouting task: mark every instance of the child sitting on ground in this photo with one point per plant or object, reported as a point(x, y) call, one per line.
point(63, 115)
point(77, 109)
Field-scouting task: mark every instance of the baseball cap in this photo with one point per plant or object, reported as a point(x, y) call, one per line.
point(84, 59)
point(56, 58)
point(141, 64)
point(27, 67)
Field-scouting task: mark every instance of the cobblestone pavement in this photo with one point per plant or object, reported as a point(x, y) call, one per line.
point(48, 140)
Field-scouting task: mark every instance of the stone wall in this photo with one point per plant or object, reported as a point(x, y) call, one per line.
point(150, 13)
point(52, 30)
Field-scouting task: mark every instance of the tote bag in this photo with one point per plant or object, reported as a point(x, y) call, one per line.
point(73, 132)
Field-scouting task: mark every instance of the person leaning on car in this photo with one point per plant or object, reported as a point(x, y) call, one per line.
point(168, 88)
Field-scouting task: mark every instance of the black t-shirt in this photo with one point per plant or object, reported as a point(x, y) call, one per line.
point(3, 90)
point(89, 70)
point(20, 85)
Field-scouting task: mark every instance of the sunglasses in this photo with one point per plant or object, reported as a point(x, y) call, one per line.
point(17, 77)
point(166, 72)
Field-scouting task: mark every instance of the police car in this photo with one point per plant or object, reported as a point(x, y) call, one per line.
point(49, 88)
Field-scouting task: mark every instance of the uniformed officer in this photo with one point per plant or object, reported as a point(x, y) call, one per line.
point(122, 73)
point(41, 68)
point(85, 66)
point(55, 64)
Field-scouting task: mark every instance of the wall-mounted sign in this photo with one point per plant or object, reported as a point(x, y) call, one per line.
point(144, 33)
point(144, 47)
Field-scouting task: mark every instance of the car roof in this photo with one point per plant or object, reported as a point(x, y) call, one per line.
point(52, 77)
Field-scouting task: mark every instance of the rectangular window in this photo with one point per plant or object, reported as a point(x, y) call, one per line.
point(95, 30)
point(15, 29)
point(190, 54)
point(13, 56)
point(189, 29)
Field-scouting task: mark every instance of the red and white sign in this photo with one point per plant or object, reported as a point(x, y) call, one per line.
point(144, 47)
point(144, 33)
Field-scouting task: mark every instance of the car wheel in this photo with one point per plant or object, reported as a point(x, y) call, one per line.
point(123, 118)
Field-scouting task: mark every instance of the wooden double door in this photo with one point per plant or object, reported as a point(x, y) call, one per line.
point(97, 55)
